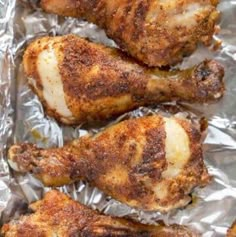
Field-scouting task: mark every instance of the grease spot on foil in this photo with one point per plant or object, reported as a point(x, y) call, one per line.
point(38, 136)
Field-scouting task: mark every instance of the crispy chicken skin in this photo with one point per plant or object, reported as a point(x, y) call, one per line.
point(156, 32)
point(58, 215)
point(79, 81)
point(152, 163)
point(232, 231)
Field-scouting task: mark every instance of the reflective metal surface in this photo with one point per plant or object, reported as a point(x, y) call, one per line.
point(22, 119)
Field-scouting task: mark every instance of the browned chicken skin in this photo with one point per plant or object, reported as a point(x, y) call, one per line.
point(80, 81)
point(156, 32)
point(232, 231)
point(151, 163)
point(58, 216)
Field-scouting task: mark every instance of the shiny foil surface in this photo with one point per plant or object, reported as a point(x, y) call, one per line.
point(22, 119)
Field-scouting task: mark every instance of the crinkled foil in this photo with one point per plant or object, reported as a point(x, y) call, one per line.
point(22, 119)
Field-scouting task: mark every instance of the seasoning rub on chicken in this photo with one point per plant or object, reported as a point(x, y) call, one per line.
point(157, 32)
point(79, 81)
point(56, 215)
point(151, 163)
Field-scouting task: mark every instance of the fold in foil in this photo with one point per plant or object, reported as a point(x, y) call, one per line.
point(22, 119)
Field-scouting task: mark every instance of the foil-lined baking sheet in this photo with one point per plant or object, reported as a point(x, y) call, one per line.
point(22, 119)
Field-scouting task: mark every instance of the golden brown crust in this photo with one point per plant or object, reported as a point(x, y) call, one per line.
point(104, 81)
point(101, 82)
point(232, 230)
point(155, 32)
point(58, 215)
point(126, 161)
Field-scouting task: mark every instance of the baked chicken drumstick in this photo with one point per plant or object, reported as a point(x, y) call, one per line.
point(58, 215)
point(151, 163)
point(156, 32)
point(78, 81)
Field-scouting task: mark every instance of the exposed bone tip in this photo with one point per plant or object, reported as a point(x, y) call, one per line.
point(14, 153)
point(14, 165)
point(218, 95)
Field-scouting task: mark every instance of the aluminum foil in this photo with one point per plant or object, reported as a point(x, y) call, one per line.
point(22, 119)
